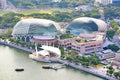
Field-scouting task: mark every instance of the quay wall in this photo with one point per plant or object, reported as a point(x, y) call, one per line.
point(17, 47)
point(88, 70)
point(65, 62)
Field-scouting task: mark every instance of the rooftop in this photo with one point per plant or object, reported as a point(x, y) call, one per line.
point(44, 37)
point(52, 49)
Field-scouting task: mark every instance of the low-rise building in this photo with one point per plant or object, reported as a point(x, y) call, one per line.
point(44, 40)
point(84, 8)
point(87, 47)
point(106, 54)
point(116, 61)
point(84, 43)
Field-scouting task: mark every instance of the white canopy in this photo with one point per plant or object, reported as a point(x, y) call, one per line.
point(52, 49)
point(43, 53)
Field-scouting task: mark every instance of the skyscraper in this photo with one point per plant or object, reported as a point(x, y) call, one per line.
point(104, 2)
point(3, 4)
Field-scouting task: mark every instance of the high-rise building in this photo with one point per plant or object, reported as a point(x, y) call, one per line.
point(3, 4)
point(104, 2)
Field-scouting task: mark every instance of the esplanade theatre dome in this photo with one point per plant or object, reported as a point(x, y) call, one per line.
point(86, 24)
point(36, 27)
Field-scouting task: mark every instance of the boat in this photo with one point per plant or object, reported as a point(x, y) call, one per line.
point(54, 68)
point(19, 69)
point(49, 67)
point(46, 67)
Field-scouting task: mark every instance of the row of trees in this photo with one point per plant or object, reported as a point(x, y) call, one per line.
point(115, 26)
point(8, 20)
point(21, 43)
point(84, 60)
point(7, 36)
point(113, 47)
point(115, 29)
point(48, 3)
point(111, 71)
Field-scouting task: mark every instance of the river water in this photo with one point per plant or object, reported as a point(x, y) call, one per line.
point(11, 58)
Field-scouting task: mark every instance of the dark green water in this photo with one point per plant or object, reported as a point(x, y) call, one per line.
point(11, 58)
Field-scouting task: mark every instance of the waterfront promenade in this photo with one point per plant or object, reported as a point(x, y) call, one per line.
point(93, 71)
point(17, 47)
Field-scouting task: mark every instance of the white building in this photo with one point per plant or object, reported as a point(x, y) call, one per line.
point(84, 43)
point(104, 2)
point(106, 54)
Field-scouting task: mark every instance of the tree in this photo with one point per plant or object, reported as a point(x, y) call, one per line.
point(69, 58)
point(116, 74)
point(72, 53)
point(113, 47)
point(110, 67)
point(110, 72)
point(85, 63)
point(114, 25)
point(62, 52)
point(10, 19)
point(95, 59)
point(110, 34)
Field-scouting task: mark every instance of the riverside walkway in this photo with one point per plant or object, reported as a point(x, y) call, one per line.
point(65, 62)
point(88, 70)
point(17, 47)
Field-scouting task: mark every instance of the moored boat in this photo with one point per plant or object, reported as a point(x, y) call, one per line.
point(46, 67)
point(19, 69)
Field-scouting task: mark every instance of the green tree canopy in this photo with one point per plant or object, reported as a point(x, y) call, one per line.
point(110, 34)
point(113, 47)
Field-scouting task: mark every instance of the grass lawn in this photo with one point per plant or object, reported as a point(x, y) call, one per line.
point(4, 12)
point(27, 12)
point(99, 65)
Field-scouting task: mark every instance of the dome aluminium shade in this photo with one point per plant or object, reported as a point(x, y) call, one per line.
point(52, 49)
point(36, 26)
point(80, 25)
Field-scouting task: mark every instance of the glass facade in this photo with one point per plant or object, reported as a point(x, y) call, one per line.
point(36, 27)
point(84, 25)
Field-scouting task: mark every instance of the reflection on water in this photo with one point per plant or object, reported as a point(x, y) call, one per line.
point(11, 58)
